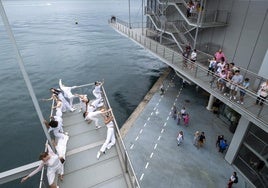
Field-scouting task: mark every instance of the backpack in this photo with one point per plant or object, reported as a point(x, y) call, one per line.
point(236, 179)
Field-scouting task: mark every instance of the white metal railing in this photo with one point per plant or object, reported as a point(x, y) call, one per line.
point(256, 114)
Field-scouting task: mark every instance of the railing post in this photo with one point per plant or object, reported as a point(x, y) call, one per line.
point(164, 52)
point(156, 48)
point(126, 162)
point(215, 15)
point(195, 74)
point(144, 39)
point(150, 45)
point(172, 59)
point(261, 108)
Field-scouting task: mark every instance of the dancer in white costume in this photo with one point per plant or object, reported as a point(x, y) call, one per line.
point(83, 102)
point(58, 108)
point(62, 138)
point(110, 138)
point(54, 167)
point(56, 128)
point(93, 116)
point(97, 103)
point(97, 89)
point(67, 92)
point(58, 94)
point(61, 146)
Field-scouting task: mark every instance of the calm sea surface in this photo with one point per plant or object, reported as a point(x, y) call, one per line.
point(52, 47)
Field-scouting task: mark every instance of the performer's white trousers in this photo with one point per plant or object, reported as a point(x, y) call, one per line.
point(110, 140)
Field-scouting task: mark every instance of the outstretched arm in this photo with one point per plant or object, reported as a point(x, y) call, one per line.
point(32, 173)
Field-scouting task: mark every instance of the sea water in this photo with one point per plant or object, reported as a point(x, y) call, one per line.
point(53, 46)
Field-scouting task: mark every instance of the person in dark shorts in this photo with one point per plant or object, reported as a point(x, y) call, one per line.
point(201, 140)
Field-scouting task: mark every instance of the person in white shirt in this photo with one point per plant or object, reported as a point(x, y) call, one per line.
point(110, 137)
point(180, 137)
point(236, 81)
point(57, 94)
point(54, 167)
point(67, 92)
point(97, 90)
point(193, 59)
point(83, 102)
point(92, 116)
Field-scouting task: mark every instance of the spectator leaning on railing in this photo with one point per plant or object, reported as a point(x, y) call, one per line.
point(262, 93)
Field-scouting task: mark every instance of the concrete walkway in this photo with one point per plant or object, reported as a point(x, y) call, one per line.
point(152, 146)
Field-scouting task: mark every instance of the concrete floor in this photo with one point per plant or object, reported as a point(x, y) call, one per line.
point(152, 146)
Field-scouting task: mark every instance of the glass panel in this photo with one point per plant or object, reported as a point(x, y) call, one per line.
point(259, 133)
point(251, 166)
point(254, 142)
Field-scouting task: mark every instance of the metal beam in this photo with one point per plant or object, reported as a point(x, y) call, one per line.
point(19, 172)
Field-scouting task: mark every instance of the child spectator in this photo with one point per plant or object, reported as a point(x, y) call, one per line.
point(243, 88)
point(180, 137)
point(212, 66)
point(196, 138)
point(221, 81)
point(186, 119)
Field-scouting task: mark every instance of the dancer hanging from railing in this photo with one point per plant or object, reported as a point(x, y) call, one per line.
point(67, 92)
point(58, 93)
point(54, 167)
point(110, 138)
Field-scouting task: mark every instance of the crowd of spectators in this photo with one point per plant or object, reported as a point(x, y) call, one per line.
point(227, 77)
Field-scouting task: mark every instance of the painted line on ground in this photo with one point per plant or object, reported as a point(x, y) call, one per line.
point(141, 176)
point(147, 164)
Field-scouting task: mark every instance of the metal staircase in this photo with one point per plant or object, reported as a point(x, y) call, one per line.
point(185, 30)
